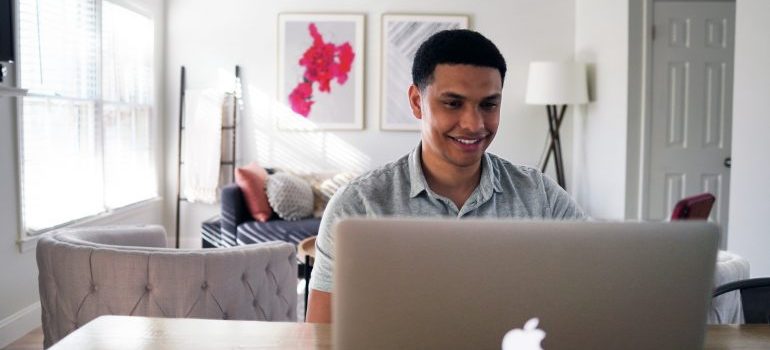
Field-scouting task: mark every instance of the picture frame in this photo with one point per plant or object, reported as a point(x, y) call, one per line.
point(402, 35)
point(321, 71)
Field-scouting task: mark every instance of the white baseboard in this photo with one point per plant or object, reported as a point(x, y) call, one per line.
point(19, 324)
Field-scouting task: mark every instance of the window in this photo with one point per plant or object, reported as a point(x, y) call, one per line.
point(87, 122)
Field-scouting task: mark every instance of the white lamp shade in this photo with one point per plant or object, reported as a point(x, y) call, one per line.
point(556, 83)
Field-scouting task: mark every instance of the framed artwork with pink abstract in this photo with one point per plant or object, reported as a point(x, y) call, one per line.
point(321, 71)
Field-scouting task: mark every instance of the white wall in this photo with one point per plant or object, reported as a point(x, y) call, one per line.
point(210, 39)
point(749, 192)
point(19, 307)
point(607, 135)
point(600, 128)
point(17, 271)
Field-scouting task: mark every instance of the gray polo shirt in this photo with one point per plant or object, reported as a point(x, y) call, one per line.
point(400, 189)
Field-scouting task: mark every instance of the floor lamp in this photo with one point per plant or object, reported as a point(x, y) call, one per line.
point(556, 85)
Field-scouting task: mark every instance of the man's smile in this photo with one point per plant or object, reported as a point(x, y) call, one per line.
point(467, 141)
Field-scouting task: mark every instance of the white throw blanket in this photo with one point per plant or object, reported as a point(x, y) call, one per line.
point(202, 144)
point(726, 308)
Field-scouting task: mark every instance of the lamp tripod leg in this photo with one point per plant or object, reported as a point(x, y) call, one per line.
point(555, 118)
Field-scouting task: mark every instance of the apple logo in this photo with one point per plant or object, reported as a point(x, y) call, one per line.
point(528, 338)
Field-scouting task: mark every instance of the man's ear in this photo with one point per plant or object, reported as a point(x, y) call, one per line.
point(415, 101)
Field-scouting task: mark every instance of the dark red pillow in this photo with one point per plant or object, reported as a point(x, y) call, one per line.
point(251, 179)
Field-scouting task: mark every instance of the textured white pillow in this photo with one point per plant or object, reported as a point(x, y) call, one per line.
point(331, 185)
point(289, 196)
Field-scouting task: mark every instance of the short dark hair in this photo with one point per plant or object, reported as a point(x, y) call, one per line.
point(457, 46)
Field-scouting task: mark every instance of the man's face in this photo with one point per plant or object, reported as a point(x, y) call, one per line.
point(460, 112)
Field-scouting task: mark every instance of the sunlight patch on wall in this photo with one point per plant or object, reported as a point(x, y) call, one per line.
point(304, 150)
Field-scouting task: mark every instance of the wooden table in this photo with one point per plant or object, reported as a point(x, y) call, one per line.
point(738, 337)
point(130, 332)
point(124, 332)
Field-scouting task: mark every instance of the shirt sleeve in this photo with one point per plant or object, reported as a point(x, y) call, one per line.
point(563, 207)
point(344, 203)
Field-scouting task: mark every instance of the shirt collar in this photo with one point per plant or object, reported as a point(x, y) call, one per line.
point(417, 181)
point(489, 178)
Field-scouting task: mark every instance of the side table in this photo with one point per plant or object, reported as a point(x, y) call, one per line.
point(306, 252)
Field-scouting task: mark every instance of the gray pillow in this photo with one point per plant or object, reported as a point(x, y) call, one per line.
point(289, 196)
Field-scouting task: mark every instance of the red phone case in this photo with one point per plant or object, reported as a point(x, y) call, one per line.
point(697, 207)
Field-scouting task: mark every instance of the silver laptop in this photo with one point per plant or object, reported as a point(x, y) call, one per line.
point(464, 284)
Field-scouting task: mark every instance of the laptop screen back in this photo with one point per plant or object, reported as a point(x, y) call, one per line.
point(430, 284)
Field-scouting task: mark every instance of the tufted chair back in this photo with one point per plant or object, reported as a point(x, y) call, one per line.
point(94, 271)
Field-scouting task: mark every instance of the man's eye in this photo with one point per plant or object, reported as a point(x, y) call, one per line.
point(488, 105)
point(452, 104)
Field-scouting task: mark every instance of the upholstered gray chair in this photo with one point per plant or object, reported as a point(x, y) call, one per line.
point(89, 272)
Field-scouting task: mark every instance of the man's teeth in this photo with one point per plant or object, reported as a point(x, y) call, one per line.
point(467, 141)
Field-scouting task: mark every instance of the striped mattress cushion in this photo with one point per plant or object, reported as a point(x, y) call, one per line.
point(277, 230)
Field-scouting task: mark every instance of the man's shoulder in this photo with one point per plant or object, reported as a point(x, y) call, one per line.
point(383, 176)
point(504, 169)
point(373, 192)
point(376, 181)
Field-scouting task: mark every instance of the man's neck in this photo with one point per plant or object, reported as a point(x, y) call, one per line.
point(453, 182)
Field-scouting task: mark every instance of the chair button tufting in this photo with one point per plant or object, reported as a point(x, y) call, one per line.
point(254, 303)
point(244, 276)
point(148, 287)
point(93, 288)
point(205, 285)
point(224, 316)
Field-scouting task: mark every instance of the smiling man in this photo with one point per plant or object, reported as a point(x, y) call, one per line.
point(456, 93)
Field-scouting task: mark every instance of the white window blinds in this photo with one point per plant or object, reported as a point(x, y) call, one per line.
point(127, 75)
point(87, 122)
point(58, 42)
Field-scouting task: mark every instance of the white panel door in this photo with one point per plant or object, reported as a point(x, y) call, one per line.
point(691, 105)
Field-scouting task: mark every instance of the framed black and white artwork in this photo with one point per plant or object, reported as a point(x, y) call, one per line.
point(401, 36)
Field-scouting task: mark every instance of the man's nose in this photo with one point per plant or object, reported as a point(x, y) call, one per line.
point(472, 119)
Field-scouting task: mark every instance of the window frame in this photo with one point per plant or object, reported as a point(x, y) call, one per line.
point(27, 238)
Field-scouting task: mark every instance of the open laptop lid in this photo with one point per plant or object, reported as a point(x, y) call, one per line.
point(452, 284)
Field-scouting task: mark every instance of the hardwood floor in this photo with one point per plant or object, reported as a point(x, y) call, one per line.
point(32, 341)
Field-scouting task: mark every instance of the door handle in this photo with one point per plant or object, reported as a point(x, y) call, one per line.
point(728, 162)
